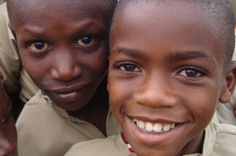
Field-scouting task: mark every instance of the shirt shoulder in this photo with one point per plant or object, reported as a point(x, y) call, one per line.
point(225, 140)
point(110, 146)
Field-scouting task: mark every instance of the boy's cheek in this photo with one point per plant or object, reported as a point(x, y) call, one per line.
point(117, 95)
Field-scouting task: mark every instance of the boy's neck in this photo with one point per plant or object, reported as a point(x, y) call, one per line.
point(95, 112)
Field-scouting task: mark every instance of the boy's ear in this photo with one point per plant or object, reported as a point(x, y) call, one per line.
point(229, 83)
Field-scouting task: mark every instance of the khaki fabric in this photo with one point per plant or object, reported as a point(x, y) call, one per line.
point(219, 141)
point(225, 112)
point(47, 130)
point(16, 78)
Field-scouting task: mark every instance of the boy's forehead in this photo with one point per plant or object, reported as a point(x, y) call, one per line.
point(167, 14)
point(218, 13)
point(61, 6)
point(86, 3)
point(185, 27)
point(161, 10)
point(65, 10)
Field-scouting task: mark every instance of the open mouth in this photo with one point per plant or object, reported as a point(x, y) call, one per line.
point(153, 127)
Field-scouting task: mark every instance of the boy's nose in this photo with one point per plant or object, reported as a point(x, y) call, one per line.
point(65, 67)
point(155, 93)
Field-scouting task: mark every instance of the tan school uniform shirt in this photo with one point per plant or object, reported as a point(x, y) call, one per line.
point(15, 77)
point(220, 140)
point(44, 129)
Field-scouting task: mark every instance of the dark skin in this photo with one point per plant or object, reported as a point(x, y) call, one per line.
point(86, 113)
point(17, 103)
point(7, 126)
point(68, 66)
point(173, 67)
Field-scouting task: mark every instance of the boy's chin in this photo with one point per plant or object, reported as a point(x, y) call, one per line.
point(70, 107)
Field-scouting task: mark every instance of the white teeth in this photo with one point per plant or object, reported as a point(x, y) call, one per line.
point(157, 127)
point(141, 124)
point(166, 128)
point(148, 126)
point(153, 127)
point(172, 126)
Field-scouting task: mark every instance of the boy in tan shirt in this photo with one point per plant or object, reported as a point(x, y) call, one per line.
point(63, 45)
point(175, 57)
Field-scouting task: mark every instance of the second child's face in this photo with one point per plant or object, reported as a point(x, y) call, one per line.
point(63, 46)
point(165, 77)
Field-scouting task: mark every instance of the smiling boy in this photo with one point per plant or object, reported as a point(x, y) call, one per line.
point(63, 45)
point(175, 58)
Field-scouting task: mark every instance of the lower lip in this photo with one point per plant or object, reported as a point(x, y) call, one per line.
point(151, 138)
point(68, 97)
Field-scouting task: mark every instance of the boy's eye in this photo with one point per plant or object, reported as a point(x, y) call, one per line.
point(129, 67)
point(86, 41)
point(38, 46)
point(192, 72)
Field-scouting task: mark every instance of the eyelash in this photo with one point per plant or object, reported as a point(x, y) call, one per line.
point(91, 38)
point(80, 42)
point(197, 70)
point(93, 43)
point(32, 47)
point(124, 65)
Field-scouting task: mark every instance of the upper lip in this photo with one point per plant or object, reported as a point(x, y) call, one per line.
point(156, 120)
point(69, 89)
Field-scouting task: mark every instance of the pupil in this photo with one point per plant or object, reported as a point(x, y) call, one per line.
point(39, 45)
point(129, 67)
point(86, 40)
point(191, 73)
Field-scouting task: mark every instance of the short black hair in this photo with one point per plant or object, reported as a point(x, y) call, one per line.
point(219, 10)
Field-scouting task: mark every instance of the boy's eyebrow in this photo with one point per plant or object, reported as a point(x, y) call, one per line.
point(188, 55)
point(81, 27)
point(176, 55)
point(127, 51)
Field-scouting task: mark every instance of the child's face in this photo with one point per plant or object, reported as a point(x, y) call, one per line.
point(64, 47)
point(165, 76)
point(7, 126)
